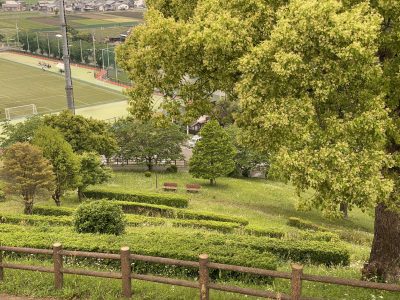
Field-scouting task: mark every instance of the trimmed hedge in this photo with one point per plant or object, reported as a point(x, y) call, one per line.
point(52, 210)
point(261, 231)
point(172, 243)
point(303, 224)
point(226, 227)
point(151, 198)
point(314, 236)
point(35, 219)
point(171, 212)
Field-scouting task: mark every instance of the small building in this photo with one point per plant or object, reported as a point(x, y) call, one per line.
point(12, 6)
point(200, 122)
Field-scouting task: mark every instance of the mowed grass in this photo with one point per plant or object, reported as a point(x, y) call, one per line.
point(22, 85)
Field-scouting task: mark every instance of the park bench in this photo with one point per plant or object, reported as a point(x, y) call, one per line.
point(193, 188)
point(170, 186)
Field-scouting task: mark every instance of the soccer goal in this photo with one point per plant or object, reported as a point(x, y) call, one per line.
point(22, 111)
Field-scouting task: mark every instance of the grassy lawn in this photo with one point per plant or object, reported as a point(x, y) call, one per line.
point(21, 85)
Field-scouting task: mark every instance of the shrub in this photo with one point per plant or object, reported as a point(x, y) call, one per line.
point(99, 217)
point(261, 231)
point(151, 198)
point(356, 237)
point(34, 219)
point(172, 169)
point(52, 210)
point(147, 174)
point(314, 236)
point(226, 227)
point(172, 243)
point(171, 212)
point(303, 224)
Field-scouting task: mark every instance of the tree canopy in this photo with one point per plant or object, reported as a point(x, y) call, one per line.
point(213, 154)
point(26, 173)
point(148, 141)
point(62, 157)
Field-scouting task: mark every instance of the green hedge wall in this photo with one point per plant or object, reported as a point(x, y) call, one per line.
point(151, 198)
point(261, 231)
point(171, 243)
point(52, 210)
point(303, 224)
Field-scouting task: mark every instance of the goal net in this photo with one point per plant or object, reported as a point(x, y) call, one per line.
point(22, 111)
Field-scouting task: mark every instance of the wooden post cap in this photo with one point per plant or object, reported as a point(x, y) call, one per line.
point(124, 248)
point(57, 245)
point(203, 256)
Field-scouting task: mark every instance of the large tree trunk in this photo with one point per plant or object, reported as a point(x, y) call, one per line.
point(28, 206)
point(80, 193)
point(57, 197)
point(149, 164)
point(384, 261)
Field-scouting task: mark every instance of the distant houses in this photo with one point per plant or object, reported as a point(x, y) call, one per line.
point(74, 5)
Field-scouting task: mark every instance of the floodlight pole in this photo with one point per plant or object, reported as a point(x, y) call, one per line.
point(67, 67)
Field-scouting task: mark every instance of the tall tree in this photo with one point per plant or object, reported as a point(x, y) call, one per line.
point(188, 55)
point(61, 155)
point(213, 154)
point(92, 171)
point(314, 96)
point(21, 132)
point(26, 173)
point(148, 141)
point(84, 134)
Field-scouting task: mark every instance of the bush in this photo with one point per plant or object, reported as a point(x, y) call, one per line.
point(52, 210)
point(171, 212)
point(172, 243)
point(261, 231)
point(23, 219)
point(303, 224)
point(172, 169)
point(226, 227)
point(151, 198)
point(99, 217)
point(314, 236)
point(147, 174)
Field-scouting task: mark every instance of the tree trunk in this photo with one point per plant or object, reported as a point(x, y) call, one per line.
point(80, 193)
point(56, 197)
point(344, 209)
point(28, 206)
point(212, 181)
point(384, 261)
point(149, 164)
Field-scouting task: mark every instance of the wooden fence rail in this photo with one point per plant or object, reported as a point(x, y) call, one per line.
point(204, 285)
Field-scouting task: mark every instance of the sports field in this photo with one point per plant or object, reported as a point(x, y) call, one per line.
point(21, 85)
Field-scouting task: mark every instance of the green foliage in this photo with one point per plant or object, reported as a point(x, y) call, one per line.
point(213, 154)
point(19, 132)
point(148, 142)
point(52, 210)
point(26, 173)
point(304, 224)
point(99, 217)
point(35, 219)
point(141, 197)
point(180, 10)
point(63, 159)
point(172, 169)
point(225, 227)
point(172, 212)
point(2, 196)
point(246, 157)
point(261, 231)
point(147, 174)
point(92, 171)
point(84, 134)
point(314, 236)
point(315, 104)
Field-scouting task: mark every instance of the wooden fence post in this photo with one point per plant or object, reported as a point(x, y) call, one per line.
point(58, 264)
point(203, 277)
point(1, 267)
point(126, 271)
point(297, 272)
